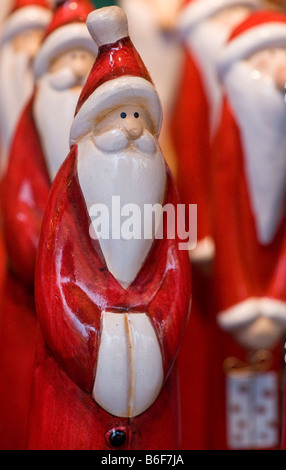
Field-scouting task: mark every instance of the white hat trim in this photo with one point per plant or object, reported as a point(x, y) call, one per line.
point(251, 41)
point(115, 93)
point(250, 309)
point(199, 10)
point(59, 41)
point(25, 18)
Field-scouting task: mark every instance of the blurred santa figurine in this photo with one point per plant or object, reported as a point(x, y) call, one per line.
point(21, 37)
point(64, 61)
point(204, 26)
point(250, 223)
point(112, 306)
point(41, 139)
point(152, 29)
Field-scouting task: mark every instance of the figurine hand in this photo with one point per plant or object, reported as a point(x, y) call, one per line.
point(263, 333)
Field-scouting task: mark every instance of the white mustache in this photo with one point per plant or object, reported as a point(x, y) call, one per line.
point(116, 141)
point(64, 79)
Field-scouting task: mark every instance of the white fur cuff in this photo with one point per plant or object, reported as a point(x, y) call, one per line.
point(247, 311)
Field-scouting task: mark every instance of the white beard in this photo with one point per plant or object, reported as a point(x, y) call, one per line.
point(54, 108)
point(135, 177)
point(260, 111)
point(205, 43)
point(16, 86)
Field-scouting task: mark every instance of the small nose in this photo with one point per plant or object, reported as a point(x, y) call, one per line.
point(133, 128)
point(280, 78)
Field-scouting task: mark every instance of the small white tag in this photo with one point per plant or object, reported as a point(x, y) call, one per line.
point(252, 410)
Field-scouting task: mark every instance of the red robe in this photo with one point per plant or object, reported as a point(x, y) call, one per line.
point(73, 287)
point(244, 269)
point(18, 332)
point(26, 187)
point(191, 134)
point(255, 270)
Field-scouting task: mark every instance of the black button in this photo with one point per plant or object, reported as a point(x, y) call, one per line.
point(117, 438)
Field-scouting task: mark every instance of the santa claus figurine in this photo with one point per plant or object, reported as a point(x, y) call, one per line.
point(152, 28)
point(204, 26)
point(41, 139)
point(64, 61)
point(250, 223)
point(21, 36)
point(112, 306)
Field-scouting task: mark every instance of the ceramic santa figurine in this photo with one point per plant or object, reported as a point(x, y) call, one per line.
point(112, 308)
point(152, 29)
point(204, 26)
point(21, 37)
point(250, 222)
point(64, 61)
point(42, 135)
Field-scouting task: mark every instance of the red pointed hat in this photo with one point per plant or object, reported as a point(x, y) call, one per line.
point(27, 3)
point(118, 76)
point(25, 15)
point(67, 30)
point(262, 29)
point(198, 10)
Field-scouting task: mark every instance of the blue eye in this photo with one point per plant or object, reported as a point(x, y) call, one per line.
point(136, 115)
point(123, 115)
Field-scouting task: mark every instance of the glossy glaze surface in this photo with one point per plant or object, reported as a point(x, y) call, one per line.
point(99, 329)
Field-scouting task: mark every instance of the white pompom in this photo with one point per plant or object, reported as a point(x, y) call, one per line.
point(107, 25)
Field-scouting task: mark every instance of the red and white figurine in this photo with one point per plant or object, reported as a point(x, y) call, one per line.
point(21, 37)
point(204, 26)
point(249, 222)
point(112, 309)
point(64, 61)
point(41, 139)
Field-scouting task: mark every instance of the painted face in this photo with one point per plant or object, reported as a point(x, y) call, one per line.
point(28, 42)
point(132, 120)
point(126, 127)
